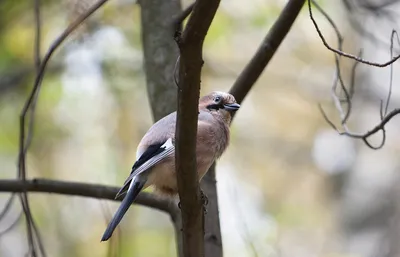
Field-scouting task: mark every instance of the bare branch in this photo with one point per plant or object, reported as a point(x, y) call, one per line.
point(190, 64)
point(38, 26)
point(54, 47)
point(394, 33)
point(178, 20)
point(353, 77)
point(24, 140)
point(12, 225)
point(338, 75)
point(32, 231)
point(266, 50)
point(364, 136)
point(85, 190)
point(344, 54)
point(344, 115)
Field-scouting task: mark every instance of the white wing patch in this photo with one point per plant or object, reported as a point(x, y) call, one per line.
point(169, 149)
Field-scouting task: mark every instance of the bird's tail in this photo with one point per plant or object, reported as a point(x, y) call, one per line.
point(131, 194)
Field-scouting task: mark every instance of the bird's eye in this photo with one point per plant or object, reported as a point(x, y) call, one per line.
point(217, 99)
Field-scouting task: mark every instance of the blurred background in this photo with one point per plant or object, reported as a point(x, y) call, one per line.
point(288, 185)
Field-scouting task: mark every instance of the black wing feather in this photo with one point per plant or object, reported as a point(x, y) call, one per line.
point(150, 152)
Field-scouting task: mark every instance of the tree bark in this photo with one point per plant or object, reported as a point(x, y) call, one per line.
point(160, 54)
point(212, 227)
point(190, 64)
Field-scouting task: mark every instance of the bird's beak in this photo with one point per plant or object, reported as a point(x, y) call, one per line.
point(232, 107)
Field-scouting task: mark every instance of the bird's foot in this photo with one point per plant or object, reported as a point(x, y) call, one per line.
point(204, 199)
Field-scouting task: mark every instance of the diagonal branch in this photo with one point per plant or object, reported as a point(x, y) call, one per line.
point(190, 64)
point(158, 24)
point(178, 19)
point(266, 50)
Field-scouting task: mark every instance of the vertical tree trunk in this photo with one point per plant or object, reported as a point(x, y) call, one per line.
point(160, 53)
point(212, 228)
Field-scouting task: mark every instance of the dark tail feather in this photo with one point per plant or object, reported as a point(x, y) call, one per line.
point(128, 200)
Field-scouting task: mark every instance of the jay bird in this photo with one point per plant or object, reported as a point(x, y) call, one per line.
point(155, 164)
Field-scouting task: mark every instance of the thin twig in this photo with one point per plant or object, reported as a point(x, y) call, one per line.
point(178, 20)
point(31, 233)
point(338, 75)
point(353, 77)
point(29, 105)
point(7, 206)
point(364, 136)
point(394, 33)
point(177, 24)
point(54, 47)
point(12, 225)
point(344, 54)
point(37, 60)
point(344, 116)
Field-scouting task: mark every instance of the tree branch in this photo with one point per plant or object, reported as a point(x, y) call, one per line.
point(338, 101)
point(85, 190)
point(191, 62)
point(178, 20)
point(341, 53)
point(25, 138)
point(266, 50)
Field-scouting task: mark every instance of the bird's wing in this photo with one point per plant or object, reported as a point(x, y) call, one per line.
point(153, 155)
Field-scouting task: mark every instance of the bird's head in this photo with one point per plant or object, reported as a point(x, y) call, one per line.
point(219, 104)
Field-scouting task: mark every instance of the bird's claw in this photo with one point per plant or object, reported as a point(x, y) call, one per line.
point(204, 199)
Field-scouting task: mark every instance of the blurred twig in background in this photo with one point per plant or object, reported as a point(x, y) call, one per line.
point(345, 115)
point(341, 53)
point(25, 139)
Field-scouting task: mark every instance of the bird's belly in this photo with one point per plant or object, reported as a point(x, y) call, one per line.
point(163, 175)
